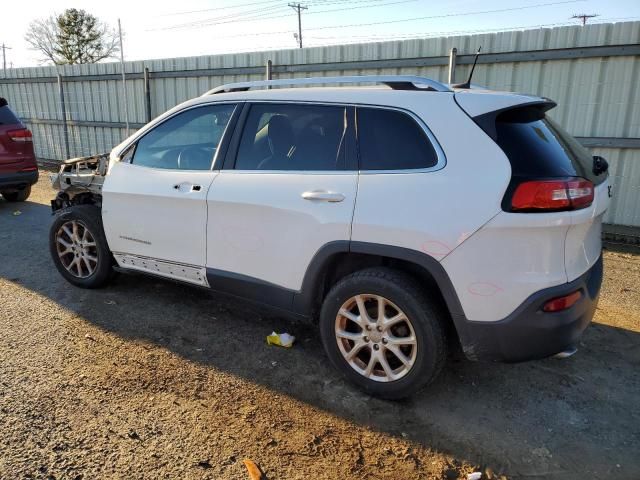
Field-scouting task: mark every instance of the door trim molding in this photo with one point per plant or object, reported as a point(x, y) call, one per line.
point(174, 270)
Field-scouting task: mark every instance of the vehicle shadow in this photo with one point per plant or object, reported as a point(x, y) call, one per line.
point(572, 418)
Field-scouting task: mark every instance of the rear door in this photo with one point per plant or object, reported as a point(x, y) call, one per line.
point(154, 200)
point(288, 188)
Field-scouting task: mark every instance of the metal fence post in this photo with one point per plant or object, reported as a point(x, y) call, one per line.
point(147, 94)
point(452, 64)
point(268, 73)
point(65, 126)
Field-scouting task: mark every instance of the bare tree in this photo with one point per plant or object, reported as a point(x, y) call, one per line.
point(71, 38)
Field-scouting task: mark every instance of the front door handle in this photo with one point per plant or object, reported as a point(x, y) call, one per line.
point(187, 187)
point(323, 196)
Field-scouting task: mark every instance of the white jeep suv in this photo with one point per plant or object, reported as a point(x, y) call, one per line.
point(404, 218)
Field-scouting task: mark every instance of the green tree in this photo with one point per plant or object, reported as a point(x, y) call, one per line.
point(73, 37)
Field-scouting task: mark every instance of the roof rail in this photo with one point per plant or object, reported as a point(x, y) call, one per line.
point(396, 82)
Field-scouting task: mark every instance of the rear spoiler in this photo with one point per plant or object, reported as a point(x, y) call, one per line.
point(487, 121)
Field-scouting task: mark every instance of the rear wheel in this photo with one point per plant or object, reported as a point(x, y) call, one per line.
point(381, 331)
point(79, 248)
point(17, 196)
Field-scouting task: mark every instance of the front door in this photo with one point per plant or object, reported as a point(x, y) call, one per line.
point(154, 199)
point(289, 190)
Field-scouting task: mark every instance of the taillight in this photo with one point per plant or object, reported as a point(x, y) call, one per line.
point(20, 135)
point(554, 195)
point(562, 303)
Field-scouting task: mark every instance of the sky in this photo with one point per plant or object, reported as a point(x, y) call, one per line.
point(204, 27)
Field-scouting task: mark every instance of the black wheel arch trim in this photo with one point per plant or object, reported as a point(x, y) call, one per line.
point(427, 262)
point(302, 302)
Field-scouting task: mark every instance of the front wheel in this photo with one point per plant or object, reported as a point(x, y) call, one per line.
point(79, 248)
point(381, 331)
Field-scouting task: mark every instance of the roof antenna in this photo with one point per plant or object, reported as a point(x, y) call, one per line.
point(467, 84)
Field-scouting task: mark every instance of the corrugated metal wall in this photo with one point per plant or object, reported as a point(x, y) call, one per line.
point(597, 94)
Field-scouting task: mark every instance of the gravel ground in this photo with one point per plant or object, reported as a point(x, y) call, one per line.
point(151, 379)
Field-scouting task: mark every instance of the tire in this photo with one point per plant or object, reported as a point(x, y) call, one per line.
point(400, 295)
point(93, 260)
point(17, 196)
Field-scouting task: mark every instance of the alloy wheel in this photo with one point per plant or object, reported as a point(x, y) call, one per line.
point(376, 338)
point(76, 248)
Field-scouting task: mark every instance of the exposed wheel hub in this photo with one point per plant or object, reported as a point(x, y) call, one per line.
point(375, 336)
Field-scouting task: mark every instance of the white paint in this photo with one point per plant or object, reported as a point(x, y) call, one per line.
point(433, 212)
point(583, 244)
point(261, 226)
point(144, 214)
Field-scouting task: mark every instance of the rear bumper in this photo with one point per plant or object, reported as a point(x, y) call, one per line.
point(529, 333)
point(18, 180)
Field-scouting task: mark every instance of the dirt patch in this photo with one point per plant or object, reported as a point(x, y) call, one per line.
point(150, 379)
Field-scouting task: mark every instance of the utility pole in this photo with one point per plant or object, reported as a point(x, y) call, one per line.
point(583, 17)
point(4, 59)
point(298, 8)
point(124, 82)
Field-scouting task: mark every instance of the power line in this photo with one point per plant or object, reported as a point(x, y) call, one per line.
point(384, 22)
point(433, 34)
point(263, 13)
point(406, 36)
point(462, 14)
point(247, 16)
point(416, 35)
point(255, 14)
point(217, 8)
point(363, 6)
point(264, 2)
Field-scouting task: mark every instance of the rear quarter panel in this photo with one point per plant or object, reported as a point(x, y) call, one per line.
point(511, 257)
point(583, 245)
point(434, 212)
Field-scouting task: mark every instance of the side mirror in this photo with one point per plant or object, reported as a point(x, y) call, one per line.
point(600, 165)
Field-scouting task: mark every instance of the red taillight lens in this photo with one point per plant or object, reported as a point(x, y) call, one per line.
point(20, 135)
point(580, 193)
point(562, 303)
point(555, 195)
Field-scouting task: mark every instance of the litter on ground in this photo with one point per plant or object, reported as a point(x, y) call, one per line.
point(281, 339)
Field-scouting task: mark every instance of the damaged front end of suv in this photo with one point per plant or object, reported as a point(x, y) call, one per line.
point(79, 181)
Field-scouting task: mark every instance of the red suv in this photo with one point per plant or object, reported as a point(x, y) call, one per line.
point(18, 167)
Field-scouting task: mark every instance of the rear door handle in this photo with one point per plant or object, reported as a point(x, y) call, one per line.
point(187, 187)
point(323, 196)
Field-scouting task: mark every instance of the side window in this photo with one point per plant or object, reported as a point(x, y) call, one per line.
point(293, 137)
point(392, 140)
point(187, 141)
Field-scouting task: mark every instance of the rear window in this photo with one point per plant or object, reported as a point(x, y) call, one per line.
point(538, 147)
point(392, 140)
point(7, 117)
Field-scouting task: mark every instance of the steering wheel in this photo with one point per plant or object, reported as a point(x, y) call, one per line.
point(195, 158)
